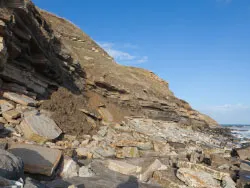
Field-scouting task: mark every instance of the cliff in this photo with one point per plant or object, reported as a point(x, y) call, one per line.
point(42, 53)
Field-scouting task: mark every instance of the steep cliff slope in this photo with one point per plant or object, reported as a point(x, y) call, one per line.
point(41, 53)
point(137, 91)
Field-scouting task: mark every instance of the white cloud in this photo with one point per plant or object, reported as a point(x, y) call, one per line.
point(143, 59)
point(121, 55)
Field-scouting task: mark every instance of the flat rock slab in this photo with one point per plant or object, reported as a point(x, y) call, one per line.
point(123, 167)
point(37, 159)
point(40, 128)
point(197, 179)
point(20, 99)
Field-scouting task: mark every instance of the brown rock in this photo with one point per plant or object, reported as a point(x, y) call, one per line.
point(128, 152)
point(199, 167)
point(218, 159)
point(244, 153)
point(197, 179)
point(11, 114)
point(168, 179)
point(5, 106)
point(37, 159)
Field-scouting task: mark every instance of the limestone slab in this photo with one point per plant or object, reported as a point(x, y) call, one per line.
point(40, 128)
point(197, 178)
point(37, 159)
point(20, 99)
point(123, 167)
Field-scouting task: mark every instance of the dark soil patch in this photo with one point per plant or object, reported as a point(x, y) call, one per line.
point(65, 112)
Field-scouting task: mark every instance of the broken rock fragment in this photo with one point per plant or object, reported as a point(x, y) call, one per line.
point(147, 174)
point(11, 114)
point(5, 106)
point(123, 167)
point(40, 128)
point(197, 179)
point(20, 99)
point(37, 159)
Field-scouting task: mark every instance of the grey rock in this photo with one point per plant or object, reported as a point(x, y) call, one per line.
point(37, 159)
point(3, 145)
point(40, 128)
point(11, 167)
point(5, 183)
point(147, 174)
point(227, 182)
point(86, 172)
point(123, 167)
point(31, 183)
point(107, 152)
point(69, 168)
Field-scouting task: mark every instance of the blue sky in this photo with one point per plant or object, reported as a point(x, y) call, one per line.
point(201, 47)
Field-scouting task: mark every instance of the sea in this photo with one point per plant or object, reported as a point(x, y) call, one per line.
point(242, 132)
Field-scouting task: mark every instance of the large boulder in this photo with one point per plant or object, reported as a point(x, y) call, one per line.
point(37, 159)
point(11, 167)
point(40, 128)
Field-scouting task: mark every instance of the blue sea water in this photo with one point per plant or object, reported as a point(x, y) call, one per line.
point(240, 131)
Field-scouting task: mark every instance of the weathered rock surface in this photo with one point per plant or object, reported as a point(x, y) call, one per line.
point(37, 159)
point(123, 168)
point(197, 178)
point(20, 99)
point(11, 167)
point(40, 128)
point(244, 153)
point(147, 174)
point(69, 168)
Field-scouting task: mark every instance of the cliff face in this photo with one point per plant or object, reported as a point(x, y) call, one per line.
point(41, 53)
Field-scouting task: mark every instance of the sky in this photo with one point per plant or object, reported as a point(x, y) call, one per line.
point(201, 47)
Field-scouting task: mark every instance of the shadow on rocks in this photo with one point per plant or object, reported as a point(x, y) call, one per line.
point(131, 183)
